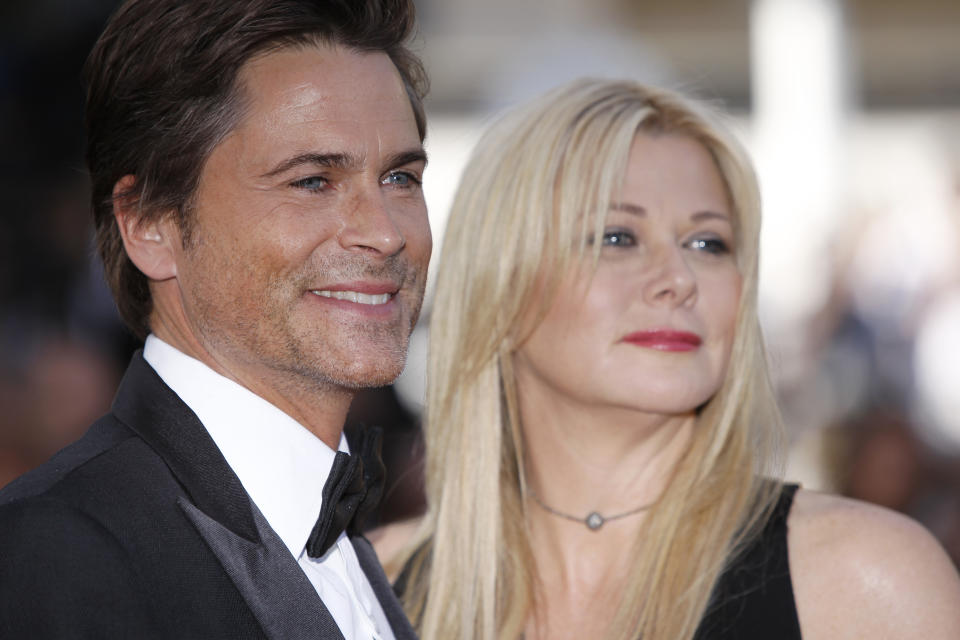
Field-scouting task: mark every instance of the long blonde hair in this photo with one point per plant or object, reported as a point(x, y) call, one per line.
point(518, 222)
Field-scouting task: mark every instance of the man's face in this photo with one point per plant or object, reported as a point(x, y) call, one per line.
point(307, 260)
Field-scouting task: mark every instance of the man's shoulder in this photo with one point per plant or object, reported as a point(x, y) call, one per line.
point(103, 438)
point(99, 528)
point(60, 550)
point(109, 476)
point(58, 565)
point(94, 483)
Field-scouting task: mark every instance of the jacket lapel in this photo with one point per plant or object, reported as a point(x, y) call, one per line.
point(155, 413)
point(258, 563)
point(384, 592)
point(270, 580)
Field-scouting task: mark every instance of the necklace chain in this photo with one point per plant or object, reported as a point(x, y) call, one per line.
point(594, 520)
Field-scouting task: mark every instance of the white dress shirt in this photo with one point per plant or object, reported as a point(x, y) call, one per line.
point(283, 468)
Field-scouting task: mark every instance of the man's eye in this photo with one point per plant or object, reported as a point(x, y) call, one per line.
point(401, 179)
point(716, 246)
point(312, 183)
point(619, 238)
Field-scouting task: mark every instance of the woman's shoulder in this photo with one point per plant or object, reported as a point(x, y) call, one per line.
point(390, 541)
point(860, 570)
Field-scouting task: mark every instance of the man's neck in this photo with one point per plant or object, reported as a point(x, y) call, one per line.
point(319, 408)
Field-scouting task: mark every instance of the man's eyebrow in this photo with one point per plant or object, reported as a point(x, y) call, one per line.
point(329, 160)
point(344, 161)
point(407, 157)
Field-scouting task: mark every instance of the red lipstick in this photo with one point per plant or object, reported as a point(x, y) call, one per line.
point(664, 340)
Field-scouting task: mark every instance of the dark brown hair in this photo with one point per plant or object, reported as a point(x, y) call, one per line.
point(162, 92)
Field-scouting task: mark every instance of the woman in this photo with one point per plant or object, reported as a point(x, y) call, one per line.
point(601, 434)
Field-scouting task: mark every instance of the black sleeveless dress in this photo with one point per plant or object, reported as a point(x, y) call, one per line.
point(754, 597)
point(753, 600)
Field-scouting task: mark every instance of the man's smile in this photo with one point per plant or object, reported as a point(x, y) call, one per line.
point(354, 296)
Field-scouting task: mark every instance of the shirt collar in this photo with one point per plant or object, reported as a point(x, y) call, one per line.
point(282, 466)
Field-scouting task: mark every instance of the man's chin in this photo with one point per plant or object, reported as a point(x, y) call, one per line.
point(358, 377)
point(369, 382)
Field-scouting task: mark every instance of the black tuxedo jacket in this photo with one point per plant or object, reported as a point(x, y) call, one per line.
point(141, 530)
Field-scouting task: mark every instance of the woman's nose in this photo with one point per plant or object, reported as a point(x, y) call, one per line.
point(671, 281)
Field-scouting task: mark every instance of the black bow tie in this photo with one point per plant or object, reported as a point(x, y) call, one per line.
point(352, 491)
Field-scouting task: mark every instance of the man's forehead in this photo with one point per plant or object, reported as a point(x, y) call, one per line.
point(325, 82)
point(322, 101)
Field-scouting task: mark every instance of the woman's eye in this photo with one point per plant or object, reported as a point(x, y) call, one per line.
point(312, 183)
point(619, 238)
point(403, 179)
point(716, 246)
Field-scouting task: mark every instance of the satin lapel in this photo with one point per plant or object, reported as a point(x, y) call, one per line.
point(259, 564)
point(384, 592)
point(152, 410)
point(269, 579)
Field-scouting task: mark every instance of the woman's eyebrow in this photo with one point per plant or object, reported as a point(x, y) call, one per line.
point(626, 207)
point(710, 215)
point(637, 210)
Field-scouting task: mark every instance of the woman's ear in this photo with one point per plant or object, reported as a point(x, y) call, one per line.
point(149, 243)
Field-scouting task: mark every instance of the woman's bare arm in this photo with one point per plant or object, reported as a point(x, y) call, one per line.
point(389, 541)
point(861, 571)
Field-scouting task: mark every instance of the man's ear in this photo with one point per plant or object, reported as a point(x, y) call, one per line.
point(150, 244)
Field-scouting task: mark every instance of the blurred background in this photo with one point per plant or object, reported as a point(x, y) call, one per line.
point(851, 109)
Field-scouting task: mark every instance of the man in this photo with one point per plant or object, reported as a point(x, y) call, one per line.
point(256, 169)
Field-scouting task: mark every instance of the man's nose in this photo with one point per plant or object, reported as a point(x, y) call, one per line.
point(369, 225)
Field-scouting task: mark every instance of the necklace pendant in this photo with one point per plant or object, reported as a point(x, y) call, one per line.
point(594, 521)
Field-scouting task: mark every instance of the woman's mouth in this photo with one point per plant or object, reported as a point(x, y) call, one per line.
point(664, 340)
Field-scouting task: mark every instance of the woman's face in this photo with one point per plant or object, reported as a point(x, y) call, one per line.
point(651, 329)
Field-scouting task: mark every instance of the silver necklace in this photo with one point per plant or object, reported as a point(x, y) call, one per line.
point(593, 520)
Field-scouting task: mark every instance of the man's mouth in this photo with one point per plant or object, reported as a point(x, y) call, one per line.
point(354, 296)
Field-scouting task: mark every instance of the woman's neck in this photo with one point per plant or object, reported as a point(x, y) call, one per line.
point(606, 459)
point(583, 459)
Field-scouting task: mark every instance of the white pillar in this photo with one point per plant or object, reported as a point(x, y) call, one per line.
point(798, 64)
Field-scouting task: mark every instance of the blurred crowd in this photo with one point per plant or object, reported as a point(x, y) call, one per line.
point(870, 390)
